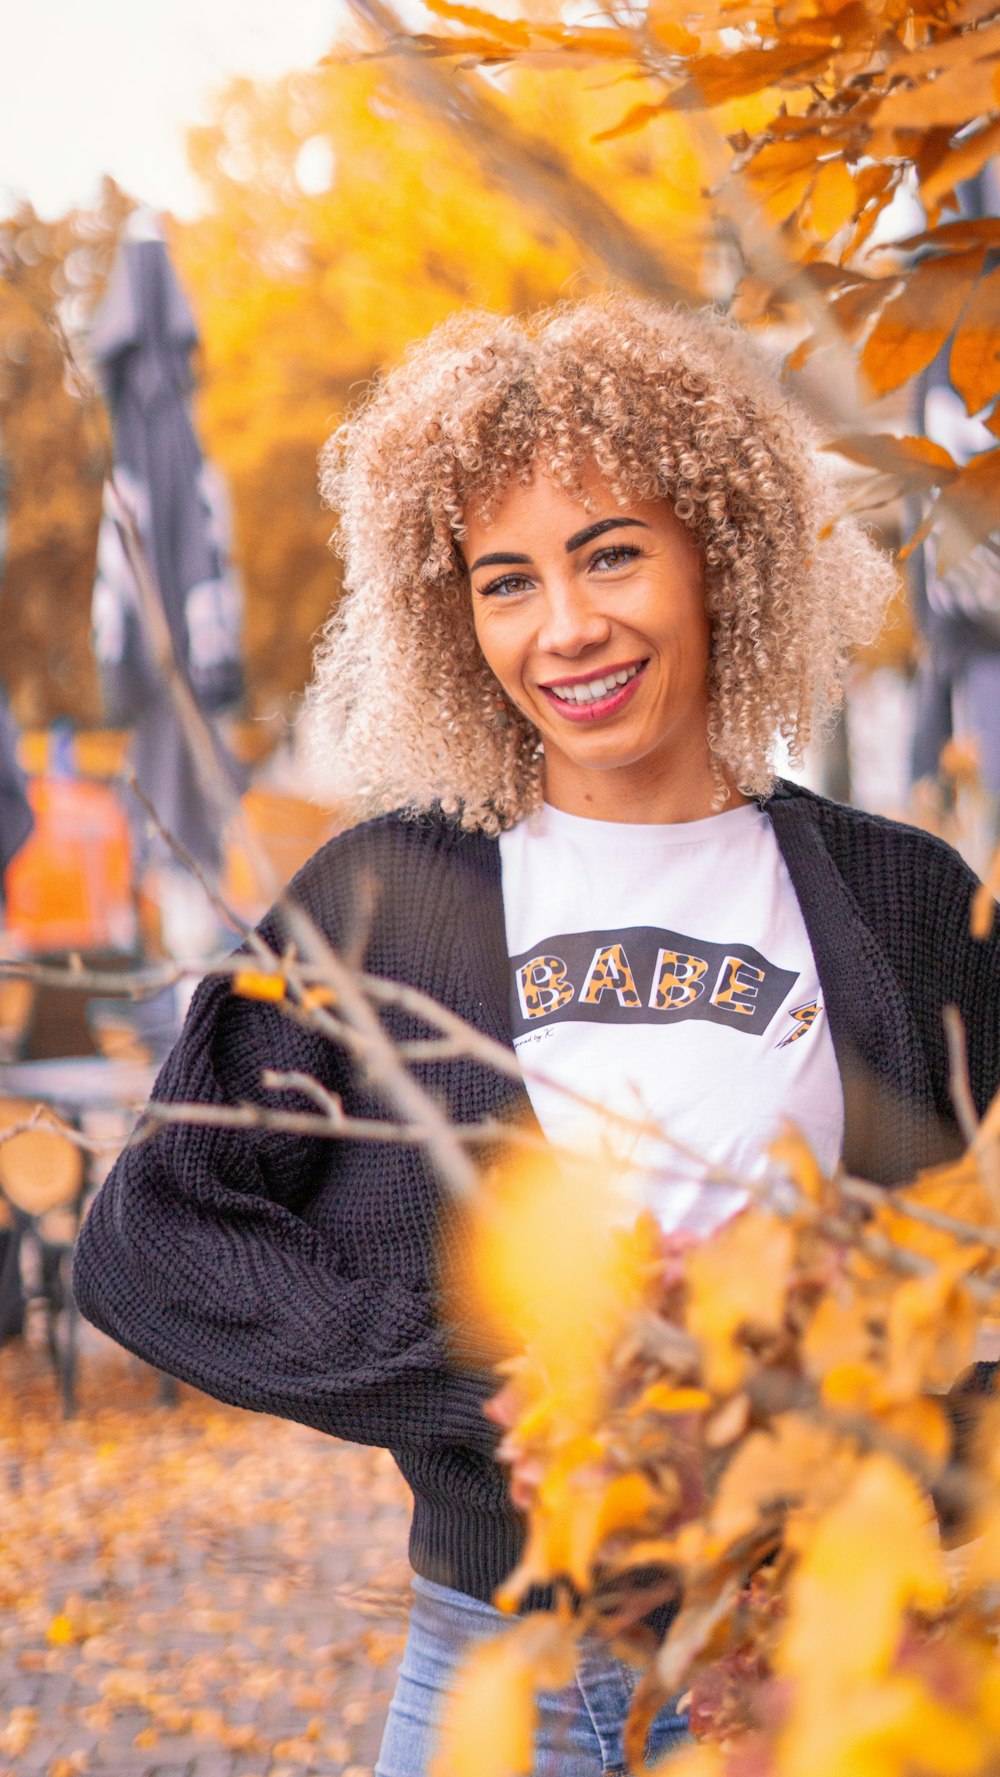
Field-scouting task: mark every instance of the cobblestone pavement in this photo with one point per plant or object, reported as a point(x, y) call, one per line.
point(188, 1591)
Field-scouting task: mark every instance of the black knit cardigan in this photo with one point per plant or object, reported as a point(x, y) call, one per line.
point(297, 1276)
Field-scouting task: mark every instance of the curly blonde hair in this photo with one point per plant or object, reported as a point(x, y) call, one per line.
point(667, 405)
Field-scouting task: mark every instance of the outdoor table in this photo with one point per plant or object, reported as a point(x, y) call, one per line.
point(79, 1090)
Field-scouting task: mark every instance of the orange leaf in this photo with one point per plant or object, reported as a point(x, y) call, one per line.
point(917, 461)
point(955, 97)
point(832, 199)
point(970, 509)
point(915, 323)
point(505, 29)
point(668, 30)
point(253, 984)
point(974, 365)
point(662, 1397)
point(633, 120)
point(963, 161)
point(318, 996)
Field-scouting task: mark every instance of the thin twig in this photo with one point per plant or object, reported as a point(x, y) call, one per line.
point(959, 1085)
point(335, 1125)
point(42, 1118)
point(191, 864)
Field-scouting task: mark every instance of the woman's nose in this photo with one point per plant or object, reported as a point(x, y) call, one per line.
point(571, 623)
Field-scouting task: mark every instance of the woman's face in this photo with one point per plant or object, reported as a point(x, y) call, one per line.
point(594, 623)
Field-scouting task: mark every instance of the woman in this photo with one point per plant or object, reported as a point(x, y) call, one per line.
point(594, 579)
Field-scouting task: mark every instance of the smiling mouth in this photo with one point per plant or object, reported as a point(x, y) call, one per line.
point(603, 695)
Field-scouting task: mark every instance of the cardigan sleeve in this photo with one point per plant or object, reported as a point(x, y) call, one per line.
point(194, 1256)
point(970, 976)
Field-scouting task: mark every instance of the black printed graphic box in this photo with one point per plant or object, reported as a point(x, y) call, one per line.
point(645, 975)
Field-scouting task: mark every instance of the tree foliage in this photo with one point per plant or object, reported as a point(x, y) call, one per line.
point(854, 104)
point(762, 1434)
point(53, 451)
point(304, 293)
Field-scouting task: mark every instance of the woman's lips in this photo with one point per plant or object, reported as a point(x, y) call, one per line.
point(601, 707)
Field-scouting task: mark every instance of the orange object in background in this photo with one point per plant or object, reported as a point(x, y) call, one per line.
point(70, 885)
point(288, 830)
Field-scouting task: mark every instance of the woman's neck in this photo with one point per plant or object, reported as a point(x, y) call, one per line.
point(636, 795)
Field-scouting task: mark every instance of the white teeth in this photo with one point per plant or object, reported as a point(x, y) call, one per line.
point(594, 688)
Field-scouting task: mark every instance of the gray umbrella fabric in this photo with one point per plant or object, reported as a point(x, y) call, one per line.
point(142, 341)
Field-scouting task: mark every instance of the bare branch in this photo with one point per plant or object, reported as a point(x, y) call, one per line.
point(190, 863)
point(959, 1087)
point(334, 1125)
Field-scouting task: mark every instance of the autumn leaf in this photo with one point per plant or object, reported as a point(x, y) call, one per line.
point(832, 199)
point(874, 1555)
point(568, 1315)
point(967, 509)
point(963, 161)
point(795, 1466)
point(254, 984)
point(974, 364)
point(966, 91)
point(737, 1280)
point(915, 323)
point(488, 1724)
point(504, 29)
point(916, 461)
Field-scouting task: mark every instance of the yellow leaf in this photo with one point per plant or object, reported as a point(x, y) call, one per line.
point(253, 984)
point(705, 1760)
point(873, 1556)
point(792, 1464)
point(791, 1150)
point(852, 1385)
point(488, 1724)
point(877, 1729)
point(737, 1278)
point(663, 1397)
point(551, 1270)
point(955, 1189)
point(837, 1334)
point(60, 1631)
point(578, 1506)
point(931, 1330)
point(832, 199)
point(922, 1423)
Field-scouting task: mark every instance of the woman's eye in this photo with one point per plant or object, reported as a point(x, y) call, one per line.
point(505, 587)
point(614, 555)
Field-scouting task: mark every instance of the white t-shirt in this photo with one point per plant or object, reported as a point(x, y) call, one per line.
point(665, 975)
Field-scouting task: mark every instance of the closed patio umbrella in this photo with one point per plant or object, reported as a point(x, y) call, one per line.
point(142, 341)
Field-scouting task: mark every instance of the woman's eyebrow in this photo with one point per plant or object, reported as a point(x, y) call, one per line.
point(501, 560)
point(587, 535)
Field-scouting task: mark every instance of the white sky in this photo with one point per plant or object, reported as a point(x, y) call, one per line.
point(95, 86)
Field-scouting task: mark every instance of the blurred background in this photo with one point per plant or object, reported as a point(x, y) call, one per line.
point(219, 219)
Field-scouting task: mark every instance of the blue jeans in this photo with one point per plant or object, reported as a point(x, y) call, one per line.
point(579, 1728)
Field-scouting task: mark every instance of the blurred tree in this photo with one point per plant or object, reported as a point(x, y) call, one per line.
point(55, 444)
point(343, 223)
